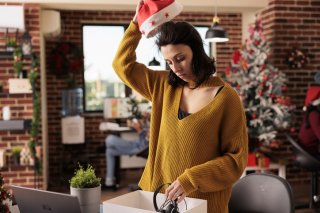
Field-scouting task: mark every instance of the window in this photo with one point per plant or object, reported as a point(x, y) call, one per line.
point(100, 43)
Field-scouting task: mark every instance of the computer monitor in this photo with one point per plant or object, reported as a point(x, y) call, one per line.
point(116, 108)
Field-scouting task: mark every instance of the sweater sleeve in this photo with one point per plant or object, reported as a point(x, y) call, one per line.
point(135, 75)
point(221, 172)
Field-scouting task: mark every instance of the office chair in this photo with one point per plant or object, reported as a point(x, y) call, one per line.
point(261, 193)
point(311, 163)
point(144, 153)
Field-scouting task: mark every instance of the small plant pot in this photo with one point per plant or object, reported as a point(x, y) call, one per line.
point(10, 48)
point(16, 160)
point(89, 198)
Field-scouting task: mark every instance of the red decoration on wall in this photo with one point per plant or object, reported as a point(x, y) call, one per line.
point(66, 58)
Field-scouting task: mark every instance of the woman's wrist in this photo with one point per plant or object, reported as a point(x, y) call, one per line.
point(135, 20)
point(135, 17)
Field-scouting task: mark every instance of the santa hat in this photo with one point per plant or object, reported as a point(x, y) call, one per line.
point(313, 93)
point(153, 13)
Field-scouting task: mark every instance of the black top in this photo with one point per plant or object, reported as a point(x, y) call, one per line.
point(182, 114)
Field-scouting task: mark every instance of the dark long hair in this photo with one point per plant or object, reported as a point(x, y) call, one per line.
point(184, 33)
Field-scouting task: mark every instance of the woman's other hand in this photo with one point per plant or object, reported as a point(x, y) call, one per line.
point(175, 192)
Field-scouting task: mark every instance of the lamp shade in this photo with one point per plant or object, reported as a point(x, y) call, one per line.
point(26, 44)
point(216, 34)
point(154, 62)
point(12, 18)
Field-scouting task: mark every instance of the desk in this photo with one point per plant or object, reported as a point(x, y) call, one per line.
point(273, 166)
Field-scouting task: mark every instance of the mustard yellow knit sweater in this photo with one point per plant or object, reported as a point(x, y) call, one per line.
point(206, 151)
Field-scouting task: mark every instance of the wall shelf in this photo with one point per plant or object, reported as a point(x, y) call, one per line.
point(8, 125)
point(6, 55)
point(9, 55)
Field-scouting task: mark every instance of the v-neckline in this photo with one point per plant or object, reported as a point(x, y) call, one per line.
point(214, 81)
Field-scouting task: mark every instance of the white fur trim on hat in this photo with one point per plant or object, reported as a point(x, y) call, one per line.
point(149, 26)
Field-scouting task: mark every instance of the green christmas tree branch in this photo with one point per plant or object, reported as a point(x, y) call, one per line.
point(35, 125)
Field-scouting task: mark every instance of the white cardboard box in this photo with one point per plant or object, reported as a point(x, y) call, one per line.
point(142, 202)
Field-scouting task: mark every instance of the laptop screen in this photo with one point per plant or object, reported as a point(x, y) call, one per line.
point(31, 200)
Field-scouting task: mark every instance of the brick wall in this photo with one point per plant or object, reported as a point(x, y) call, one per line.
point(20, 104)
point(278, 38)
point(280, 17)
point(288, 24)
point(71, 22)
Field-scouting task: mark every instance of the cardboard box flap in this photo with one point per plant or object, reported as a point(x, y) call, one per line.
point(142, 202)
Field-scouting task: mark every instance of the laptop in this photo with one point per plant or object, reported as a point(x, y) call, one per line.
point(31, 200)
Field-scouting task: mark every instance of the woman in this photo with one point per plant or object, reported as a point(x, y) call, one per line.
point(198, 138)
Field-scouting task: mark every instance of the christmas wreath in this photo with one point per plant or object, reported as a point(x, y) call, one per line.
point(66, 58)
point(296, 59)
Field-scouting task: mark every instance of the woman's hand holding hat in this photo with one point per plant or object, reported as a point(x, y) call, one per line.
point(139, 5)
point(150, 14)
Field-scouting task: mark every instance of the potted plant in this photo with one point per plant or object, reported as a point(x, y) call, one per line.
point(136, 107)
point(11, 44)
point(16, 150)
point(87, 187)
point(17, 61)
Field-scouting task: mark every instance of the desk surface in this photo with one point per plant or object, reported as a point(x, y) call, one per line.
point(109, 126)
point(273, 166)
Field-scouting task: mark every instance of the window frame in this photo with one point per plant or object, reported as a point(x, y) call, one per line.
point(127, 89)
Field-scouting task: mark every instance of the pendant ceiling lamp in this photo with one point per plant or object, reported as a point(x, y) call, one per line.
point(154, 62)
point(216, 33)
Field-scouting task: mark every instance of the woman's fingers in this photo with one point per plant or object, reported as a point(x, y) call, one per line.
point(175, 192)
point(139, 5)
point(181, 198)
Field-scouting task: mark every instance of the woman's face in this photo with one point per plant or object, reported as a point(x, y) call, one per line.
point(179, 59)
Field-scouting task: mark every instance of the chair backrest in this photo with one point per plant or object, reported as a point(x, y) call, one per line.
point(261, 193)
point(303, 158)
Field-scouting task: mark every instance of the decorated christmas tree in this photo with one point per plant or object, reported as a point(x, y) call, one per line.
point(260, 86)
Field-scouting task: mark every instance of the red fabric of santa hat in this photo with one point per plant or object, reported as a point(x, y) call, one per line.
point(153, 13)
point(313, 93)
